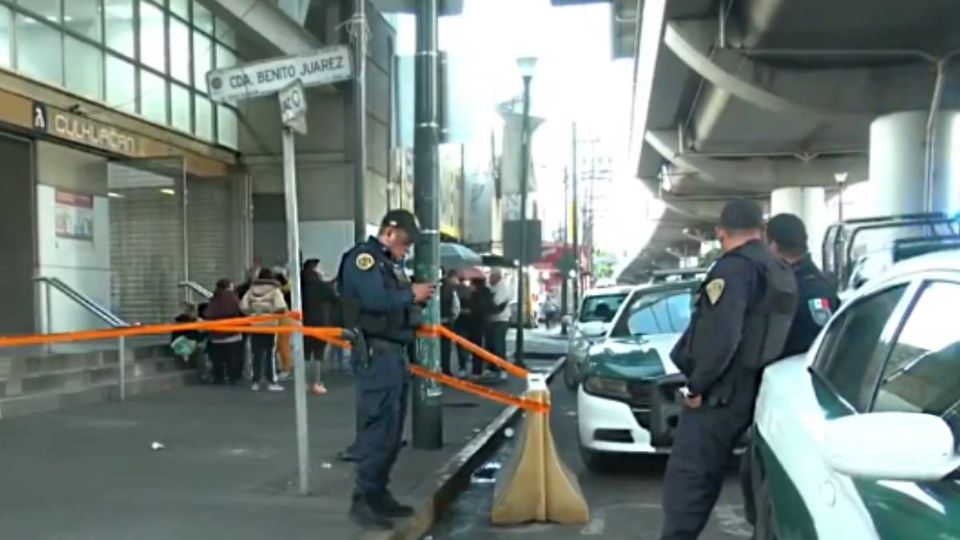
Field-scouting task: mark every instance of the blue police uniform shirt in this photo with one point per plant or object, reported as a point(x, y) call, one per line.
point(374, 283)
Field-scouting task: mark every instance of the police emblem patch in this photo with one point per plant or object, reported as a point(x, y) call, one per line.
point(365, 261)
point(819, 310)
point(714, 290)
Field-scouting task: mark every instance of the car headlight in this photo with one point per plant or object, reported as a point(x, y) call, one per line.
point(606, 387)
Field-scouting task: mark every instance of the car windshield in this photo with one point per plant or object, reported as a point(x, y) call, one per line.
point(601, 307)
point(665, 311)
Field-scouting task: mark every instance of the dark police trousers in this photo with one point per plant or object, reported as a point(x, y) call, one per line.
point(381, 392)
point(702, 446)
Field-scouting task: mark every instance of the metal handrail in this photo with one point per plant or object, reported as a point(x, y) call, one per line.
point(83, 301)
point(196, 288)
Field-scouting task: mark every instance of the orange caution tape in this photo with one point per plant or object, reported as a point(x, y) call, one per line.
point(442, 331)
point(482, 391)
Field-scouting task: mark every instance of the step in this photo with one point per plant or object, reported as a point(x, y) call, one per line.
point(71, 378)
point(40, 402)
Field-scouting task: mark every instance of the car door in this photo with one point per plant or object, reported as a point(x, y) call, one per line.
point(808, 500)
point(921, 375)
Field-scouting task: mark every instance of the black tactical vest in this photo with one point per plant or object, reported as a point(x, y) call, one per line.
point(767, 321)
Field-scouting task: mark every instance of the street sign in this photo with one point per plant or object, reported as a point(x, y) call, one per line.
point(313, 68)
point(293, 107)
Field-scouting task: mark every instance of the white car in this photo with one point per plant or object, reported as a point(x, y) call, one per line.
point(597, 310)
point(622, 372)
point(858, 438)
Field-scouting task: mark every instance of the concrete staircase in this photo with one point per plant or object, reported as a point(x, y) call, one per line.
point(45, 382)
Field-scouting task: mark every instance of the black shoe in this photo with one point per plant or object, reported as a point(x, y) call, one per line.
point(388, 506)
point(347, 455)
point(367, 517)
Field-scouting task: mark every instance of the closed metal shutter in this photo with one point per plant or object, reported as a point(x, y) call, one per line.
point(210, 235)
point(146, 241)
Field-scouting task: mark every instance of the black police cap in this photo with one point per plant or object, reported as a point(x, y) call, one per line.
point(740, 215)
point(404, 220)
point(788, 231)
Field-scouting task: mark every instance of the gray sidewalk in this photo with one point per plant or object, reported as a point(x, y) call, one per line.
point(228, 469)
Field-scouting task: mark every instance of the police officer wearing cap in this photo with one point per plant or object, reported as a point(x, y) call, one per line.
point(379, 301)
point(742, 316)
point(817, 301)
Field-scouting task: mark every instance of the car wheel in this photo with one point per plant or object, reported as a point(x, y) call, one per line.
point(570, 376)
point(597, 462)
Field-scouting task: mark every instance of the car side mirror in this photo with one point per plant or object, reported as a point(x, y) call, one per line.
point(593, 329)
point(891, 446)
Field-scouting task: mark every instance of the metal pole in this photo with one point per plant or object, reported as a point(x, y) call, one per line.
point(524, 169)
point(360, 121)
point(122, 359)
point(293, 256)
point(427, 407)
point(575, 225)
point(48, 300)
point(565, 272)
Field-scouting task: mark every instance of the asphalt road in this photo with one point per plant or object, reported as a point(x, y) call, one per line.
point(624, 503)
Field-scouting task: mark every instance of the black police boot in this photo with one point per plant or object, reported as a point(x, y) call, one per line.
point(365, 515)
point(388, 506)
point(347, 454)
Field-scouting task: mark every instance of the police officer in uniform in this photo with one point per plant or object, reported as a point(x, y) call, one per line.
point(740, 323)
point(817, 301)
point(378, 300)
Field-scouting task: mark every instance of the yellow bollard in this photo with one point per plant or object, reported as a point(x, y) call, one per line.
point(535, 485)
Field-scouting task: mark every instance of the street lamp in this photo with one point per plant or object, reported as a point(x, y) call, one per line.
point(527, 65)
point(841, 179)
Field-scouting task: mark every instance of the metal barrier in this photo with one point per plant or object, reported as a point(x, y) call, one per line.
point(195, 288)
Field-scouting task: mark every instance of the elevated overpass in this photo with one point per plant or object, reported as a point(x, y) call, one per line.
point(772, 100)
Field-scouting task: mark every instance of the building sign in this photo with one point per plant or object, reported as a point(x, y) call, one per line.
point(314, 68)
point(82, 130)
point(74, 215)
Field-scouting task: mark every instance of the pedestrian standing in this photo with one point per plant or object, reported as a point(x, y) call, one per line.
point(499, 318)
point(264, 298)
point(740, 324)
point(817, 301)
point(449, 312)
point(378, 299)
point(226, 348)
point(481, 306)
point(319, 310)
point(284, 348)
point(463, 325)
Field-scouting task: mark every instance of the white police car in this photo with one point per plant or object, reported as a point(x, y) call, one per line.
point(620, 373)
point(590, 325)
point(858, 438)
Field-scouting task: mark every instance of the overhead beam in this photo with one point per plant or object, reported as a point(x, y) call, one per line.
point(267, 25)
point(757, 174)
point(645, 67)
point(842, 93)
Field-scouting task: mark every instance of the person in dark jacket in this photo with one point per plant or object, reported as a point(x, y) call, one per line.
point(226, 349)
point(319, 309)
point(481, 307)
point(449, 312)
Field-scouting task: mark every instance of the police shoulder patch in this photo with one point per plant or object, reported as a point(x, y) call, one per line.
point(365, 261)
point(714, 290)
point(819, 310)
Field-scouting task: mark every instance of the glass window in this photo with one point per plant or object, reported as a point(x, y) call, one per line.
point(601, 307)
point(84, 68)
point(83, 17)
point(119, 25)
point(923, 372)
point(202, 18)
point(663, 312)
point(202, 62)
point(4, 37)
point(181, 8)
point(227, 126)
point(225, 57)
point(48, 9)
point(226, 34)
point(39, 54)
point(203, 108)
point(180, 107)
point(152, 44)
point(852, 350)
point(121, 84)
point(180, 51)
point(153, 97)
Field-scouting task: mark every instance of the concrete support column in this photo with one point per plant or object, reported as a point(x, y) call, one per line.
point(897, 157)
point(809, 204)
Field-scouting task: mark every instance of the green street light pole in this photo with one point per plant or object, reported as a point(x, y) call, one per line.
point(427, 406)
point(526, 65)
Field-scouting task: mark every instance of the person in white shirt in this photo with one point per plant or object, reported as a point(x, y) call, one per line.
point(499, 321)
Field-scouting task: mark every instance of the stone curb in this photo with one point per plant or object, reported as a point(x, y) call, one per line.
point(435, 496)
